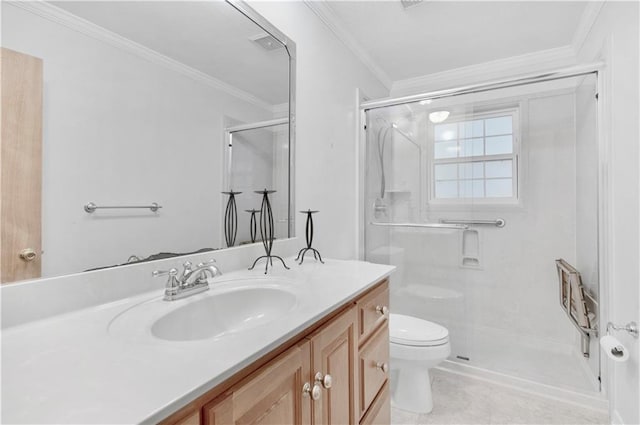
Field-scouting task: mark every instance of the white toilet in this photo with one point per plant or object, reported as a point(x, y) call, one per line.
point(416, 346)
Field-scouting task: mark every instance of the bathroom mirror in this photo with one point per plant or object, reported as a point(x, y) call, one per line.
point(135, 101)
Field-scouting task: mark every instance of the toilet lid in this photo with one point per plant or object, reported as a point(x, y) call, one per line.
point(408, 330)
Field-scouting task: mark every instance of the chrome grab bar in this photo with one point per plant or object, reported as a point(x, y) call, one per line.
point(423, 225)
point(499, 222)
point(91, 207)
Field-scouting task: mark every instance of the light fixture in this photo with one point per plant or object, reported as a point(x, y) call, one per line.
point(410, 3)
point(266, 41)
point(438, 116)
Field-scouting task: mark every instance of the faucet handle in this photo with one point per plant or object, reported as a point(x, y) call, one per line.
point(210, 264)
point(172, 282)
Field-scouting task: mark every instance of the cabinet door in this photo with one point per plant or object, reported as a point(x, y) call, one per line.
point(334, 351)
point(273, 396)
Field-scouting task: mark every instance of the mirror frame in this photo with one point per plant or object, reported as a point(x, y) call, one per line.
point(242, 7)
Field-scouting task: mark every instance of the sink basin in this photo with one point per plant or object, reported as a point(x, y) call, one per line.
point(223, 313)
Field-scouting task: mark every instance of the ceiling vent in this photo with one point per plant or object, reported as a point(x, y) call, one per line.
point(409, 3)
point(266, 41)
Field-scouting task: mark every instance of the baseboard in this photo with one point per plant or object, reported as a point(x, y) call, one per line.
point(616, 419)
point(585, 400)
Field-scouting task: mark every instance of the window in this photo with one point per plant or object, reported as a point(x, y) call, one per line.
point(475, 159)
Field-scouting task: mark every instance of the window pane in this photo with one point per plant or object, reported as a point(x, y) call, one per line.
point(447, 189)
point(446, 132)
point(498, 145)
point(499, 168)
point(446, 172)
point(473, 170)
point(501, 125)
point(499, 188)
point(445, 150)
point(468, 129)
point(471, 147)
point(471, 189)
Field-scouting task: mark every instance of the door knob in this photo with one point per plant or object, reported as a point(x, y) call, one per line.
point(383, 366)
point(314, 392)
point(325, 380)
point(382, 309)
point(28, 254)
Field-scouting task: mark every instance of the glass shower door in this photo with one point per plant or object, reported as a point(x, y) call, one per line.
point(473, 198)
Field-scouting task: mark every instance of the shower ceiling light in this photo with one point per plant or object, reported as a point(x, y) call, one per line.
point(438, 116)
point(266, 41)
point(410, 3)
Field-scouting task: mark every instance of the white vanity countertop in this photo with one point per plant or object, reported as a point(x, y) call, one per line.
point(74, 368)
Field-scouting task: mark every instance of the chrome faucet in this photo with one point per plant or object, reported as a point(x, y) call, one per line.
point(191, 281)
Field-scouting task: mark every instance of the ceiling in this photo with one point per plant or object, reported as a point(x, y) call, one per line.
point(435, 36)
point(211, 37)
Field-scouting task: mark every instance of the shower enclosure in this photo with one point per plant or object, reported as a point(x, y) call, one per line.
point(257, 158)
point(473, 194)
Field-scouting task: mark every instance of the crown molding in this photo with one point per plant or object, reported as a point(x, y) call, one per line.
point(588, 18)
point(73, 22)
point(487, 71)
point(324, 12)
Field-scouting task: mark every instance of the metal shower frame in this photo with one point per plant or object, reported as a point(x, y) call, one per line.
point(604, 190)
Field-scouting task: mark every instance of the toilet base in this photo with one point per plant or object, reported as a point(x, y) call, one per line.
point(412, 389)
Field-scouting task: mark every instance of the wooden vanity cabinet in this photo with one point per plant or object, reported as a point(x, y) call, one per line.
point(334, 350)
point(273, 394)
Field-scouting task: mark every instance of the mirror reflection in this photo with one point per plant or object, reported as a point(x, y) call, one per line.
point(132, 104)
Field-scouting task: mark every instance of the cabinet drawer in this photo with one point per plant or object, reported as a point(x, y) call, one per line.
point(373, 358)
point(370, 311)
point(380, 411)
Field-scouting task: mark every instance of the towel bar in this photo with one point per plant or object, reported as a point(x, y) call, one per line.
point(499, 222)
point(91, 207)
point(423, 225)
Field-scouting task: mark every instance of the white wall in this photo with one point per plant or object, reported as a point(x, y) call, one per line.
point(615, 39)
point(327, 77)
point(119, 129)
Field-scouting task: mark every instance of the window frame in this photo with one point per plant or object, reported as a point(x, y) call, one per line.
point(514, 156)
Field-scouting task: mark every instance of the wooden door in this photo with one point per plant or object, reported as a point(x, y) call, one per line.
point(334, 350)
point(273, 396)
point(21, 166)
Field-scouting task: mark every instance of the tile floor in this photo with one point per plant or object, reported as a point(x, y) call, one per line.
point(459, 399)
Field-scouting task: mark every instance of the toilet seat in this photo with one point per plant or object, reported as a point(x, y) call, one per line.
point(407, 330)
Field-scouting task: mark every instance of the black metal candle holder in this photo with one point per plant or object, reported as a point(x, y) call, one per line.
point(253, 226)
point(231, 219)
point(266, 231)
point(309, 237)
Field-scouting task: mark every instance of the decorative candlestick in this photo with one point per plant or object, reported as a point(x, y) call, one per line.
point(309, 237)
point(231, 219)
point(266, 231)
point(253, 226)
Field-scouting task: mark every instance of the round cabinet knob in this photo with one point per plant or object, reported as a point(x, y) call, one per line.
point(382, 309)
point(28, 254)
point(383, 366)
point(325, 380)
point(314, 392)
